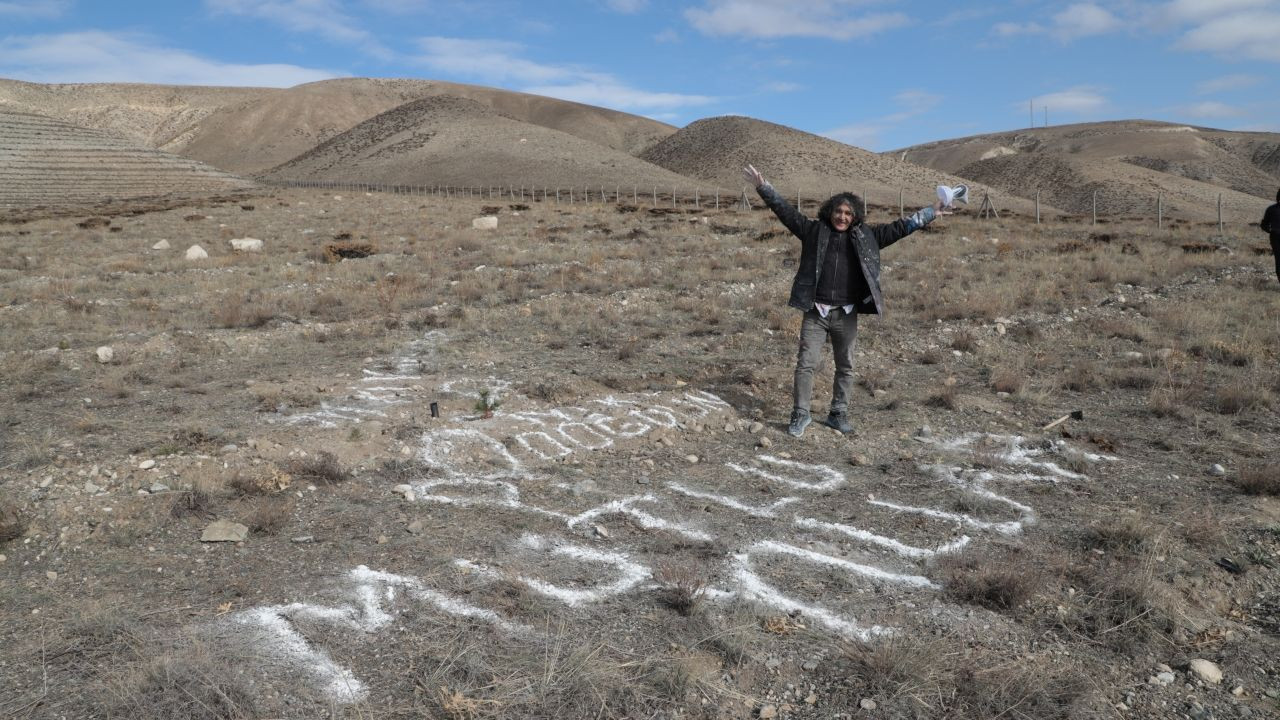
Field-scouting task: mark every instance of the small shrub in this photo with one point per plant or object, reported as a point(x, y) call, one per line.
point(270, 516)
point(945, 397)
point(682, 584)
point(964, 341)
point(196, 501)
point(1259, 479)
point(1007, 380)
point(486, 403)
point(1000, 583)
point(322, 468)
point(13, 523)
point(1128, 533)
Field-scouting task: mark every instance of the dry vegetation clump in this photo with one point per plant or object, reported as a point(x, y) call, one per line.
point(1119, 606)
point(1259, 479)
point(321, 467)
point(1130, 533)
point(682, 584)
point(270, 515)
point(186, 682)
point(13, 522)
point(195, 501)
point(921, 678)
point(1000, 581)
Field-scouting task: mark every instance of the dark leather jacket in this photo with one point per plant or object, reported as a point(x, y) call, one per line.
point(814, 235)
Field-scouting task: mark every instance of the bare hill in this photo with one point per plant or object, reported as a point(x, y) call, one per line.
point(247, 130)
point(1127, 162)
point(49, 162)
point(716, 149)
point(462, 142)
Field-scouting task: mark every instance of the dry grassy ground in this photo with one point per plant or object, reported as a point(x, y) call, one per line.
point(688, 562)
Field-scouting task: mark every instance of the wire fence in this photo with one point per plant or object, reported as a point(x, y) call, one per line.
point(674, 199)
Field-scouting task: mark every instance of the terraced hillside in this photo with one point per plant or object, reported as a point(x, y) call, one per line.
point(49, 162)
point(715, 150)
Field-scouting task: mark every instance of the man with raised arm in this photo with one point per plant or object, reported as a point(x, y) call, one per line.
point(837, 278)
point(1271, 224)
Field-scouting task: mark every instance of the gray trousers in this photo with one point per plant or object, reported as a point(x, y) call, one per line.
point(842, 328)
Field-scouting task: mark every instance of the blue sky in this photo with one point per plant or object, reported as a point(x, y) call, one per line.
point(878, 74)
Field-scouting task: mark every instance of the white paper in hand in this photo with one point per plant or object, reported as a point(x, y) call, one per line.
point(952, 195)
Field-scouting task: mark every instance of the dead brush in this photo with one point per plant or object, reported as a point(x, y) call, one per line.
point(1129, 533)
point(321, 467)
point(270, 516)
point(1000, 581)
point(185, 682)
point(682, 585)
point(237, 310)
point(13, 522)
point(196, 501)
point(1118, 606)
point(1259, 479)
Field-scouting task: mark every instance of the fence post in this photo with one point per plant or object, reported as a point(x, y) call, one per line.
point(864, 204)
point(1037, 207)
point(1095, 207)
point(1160, 211)
point(655, 196)
point(673, 196)
point(899, 202)
point(1219, 213)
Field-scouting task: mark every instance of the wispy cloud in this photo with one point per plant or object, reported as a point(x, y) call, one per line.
point(1077, 100)
point(105, 57)
point(325, 18)
point(910, 103)
point(1197, 11)
point(833, 19)
point(501, 62)
point(1227, 83)
point(1083, 20)
point(34, 8)
point(1012, 29)
point(628, 6)
point(1253, 34)
point(1207, 110)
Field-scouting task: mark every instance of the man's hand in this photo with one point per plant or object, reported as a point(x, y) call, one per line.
point(939, 209)
point(753, 175)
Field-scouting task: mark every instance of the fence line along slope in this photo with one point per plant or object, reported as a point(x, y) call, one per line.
point(461, 142)
point(1128, 163)
point(716, 149)
point(249, 130)
point(48, 162)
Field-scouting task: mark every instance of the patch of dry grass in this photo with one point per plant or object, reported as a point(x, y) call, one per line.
point(1000, 581)
point(321, 467)
point(13, 522)
point(1259, 479)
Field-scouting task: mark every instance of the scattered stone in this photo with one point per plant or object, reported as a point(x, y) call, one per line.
point(1000, 329)
point(812, 699)
point(693, 459)
point(51, 575)
point(47, 481)
point(867, 704)
point(224, 531)
point(1217, 470)
point(146, 464)
point(768, 711)
point(162, 245)
point(924, 432)
point(158, 488)
point(417, 527)
point(106, 354)
point(246, 245)
point(1164, 678)
point(91, 488)
point(303, 539)
point(403, 489)
point(1238, 690)
point(1131, 355)
point(766, 442)
point(810, 665)
point(755, 428)
point(859, 460)
point(601, 532)
point(642, 481)
point(1164, 353)
point(728, 427)
point(3, 558)
point(195, 252)
point(383, 540)
point(488, 222)
point(1207, 671)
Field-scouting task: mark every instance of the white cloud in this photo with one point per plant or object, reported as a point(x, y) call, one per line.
point(782, 87)
point(1253, 35)
point(628, 6)
point(606, 92)
point(790, 18)
point(1082, 20)
point(493, 61)
point(1227, 83)
point(34, 8)
point(1196, 11)
point(321, 17)
point(667, 36)
point(1077, 100)
point(1010, 29)
point(399, 7)
point(912, 103)
point(865, 136)
point(500, 62)
point(104, 57)
point(1212, 110)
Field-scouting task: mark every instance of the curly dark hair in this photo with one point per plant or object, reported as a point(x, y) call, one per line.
point(845, 198)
